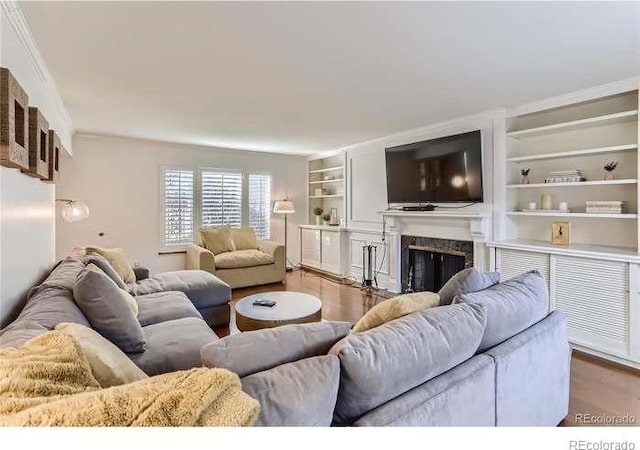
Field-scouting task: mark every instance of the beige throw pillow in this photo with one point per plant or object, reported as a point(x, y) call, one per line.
point(395, 308)
point(118, 260)
point(217, 240)
point(244, 238)
point(109, 365)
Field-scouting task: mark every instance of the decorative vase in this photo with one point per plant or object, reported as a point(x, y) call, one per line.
point(525, 179)
point(609, 176)
point(326, 223)
point(318, 220)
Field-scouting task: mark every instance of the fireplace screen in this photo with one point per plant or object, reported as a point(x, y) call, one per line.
point(429, 271)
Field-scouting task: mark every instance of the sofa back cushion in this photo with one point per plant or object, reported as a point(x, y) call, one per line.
point(244, 238)
point(467, 280)
point(384, 362)
point(512, 306)
point(300, 393)
point(255, 351)
point(109, 309)
point(118, 260)
point(217, 240)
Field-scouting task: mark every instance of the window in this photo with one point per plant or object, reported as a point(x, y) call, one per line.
point(221, 198)
point(260, 204)
point(211, 198)
point(177, 207)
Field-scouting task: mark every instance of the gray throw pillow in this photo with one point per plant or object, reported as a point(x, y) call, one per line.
point(512, 306)
point(255, 351)
point(465, 281)
point(108, 309)
point(301, 393)
point(104, 265)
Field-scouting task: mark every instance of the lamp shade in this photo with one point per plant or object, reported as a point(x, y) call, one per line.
point(73, 211)
point(284, 207)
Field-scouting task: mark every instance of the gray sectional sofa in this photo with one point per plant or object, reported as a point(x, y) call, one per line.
point(494, 357)
point(175, 310)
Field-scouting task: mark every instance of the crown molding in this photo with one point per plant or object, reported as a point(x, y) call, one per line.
point(583, 95)
point(19, 24)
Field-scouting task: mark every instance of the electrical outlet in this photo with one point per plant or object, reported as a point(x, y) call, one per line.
point(137, 264)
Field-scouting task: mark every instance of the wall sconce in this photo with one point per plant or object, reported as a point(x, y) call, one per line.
point(73, 210)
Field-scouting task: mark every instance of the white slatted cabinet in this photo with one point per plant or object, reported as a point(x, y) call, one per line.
point(310, 247)
point(595, 295)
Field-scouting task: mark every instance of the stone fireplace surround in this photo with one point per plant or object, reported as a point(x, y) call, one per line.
point(446, 246)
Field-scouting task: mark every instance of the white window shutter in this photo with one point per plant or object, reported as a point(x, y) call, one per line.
point(221, 202)
point(260, 204)
point(177, 206)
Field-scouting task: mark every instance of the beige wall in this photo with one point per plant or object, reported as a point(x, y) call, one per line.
point(27, 205)
point(119, 179)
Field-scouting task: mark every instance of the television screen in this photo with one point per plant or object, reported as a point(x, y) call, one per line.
point(447, 169)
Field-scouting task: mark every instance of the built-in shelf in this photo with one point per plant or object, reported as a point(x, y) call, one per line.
point(619, 117)
point(577, 183)
point(328, 169)
point(571, 215)
point(569, 154)
point(326, 196)
point(584, 250)
point(336, 180)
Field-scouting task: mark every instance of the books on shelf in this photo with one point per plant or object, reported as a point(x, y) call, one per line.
point(565, 176)
point(606, 206)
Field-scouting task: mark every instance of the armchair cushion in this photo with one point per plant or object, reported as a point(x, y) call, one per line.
point(217, 240)
point(242, 258)
point(244, 238)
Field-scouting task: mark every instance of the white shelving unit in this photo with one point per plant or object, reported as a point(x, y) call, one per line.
point(595, 279)
point(322, 245)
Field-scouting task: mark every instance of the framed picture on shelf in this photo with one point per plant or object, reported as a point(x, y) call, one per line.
point(561, 233)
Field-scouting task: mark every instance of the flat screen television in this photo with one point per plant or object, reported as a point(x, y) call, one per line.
point(446, 169)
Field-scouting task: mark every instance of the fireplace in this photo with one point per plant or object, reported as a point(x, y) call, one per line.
point(428, 263)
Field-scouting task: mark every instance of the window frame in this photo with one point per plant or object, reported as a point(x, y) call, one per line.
point(175, 248)
point(197, 201)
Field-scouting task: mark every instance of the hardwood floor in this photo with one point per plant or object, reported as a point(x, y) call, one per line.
point(598, 387)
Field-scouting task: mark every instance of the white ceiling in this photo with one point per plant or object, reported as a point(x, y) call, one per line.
point(305, 77)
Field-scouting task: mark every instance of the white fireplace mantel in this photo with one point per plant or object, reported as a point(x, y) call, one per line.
point(465, 225)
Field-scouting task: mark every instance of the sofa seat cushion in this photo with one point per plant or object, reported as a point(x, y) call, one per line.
point(512, 306)
point(163, 306)
point(256, 351)
point(387, 361)
point(173, 345)
point(300, 393)
point(202, 288)
point(242, 258)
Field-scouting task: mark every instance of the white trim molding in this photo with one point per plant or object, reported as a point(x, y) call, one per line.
point(19, 24)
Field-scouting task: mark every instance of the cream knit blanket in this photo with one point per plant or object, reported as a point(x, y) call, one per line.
point(48, 382)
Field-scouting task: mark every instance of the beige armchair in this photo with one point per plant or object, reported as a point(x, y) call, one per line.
point(241, 268)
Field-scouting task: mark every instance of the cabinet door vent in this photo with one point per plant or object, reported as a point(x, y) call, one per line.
point(594, 295)
point(515, 262)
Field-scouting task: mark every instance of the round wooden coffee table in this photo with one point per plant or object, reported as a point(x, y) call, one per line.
point(291, 307)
